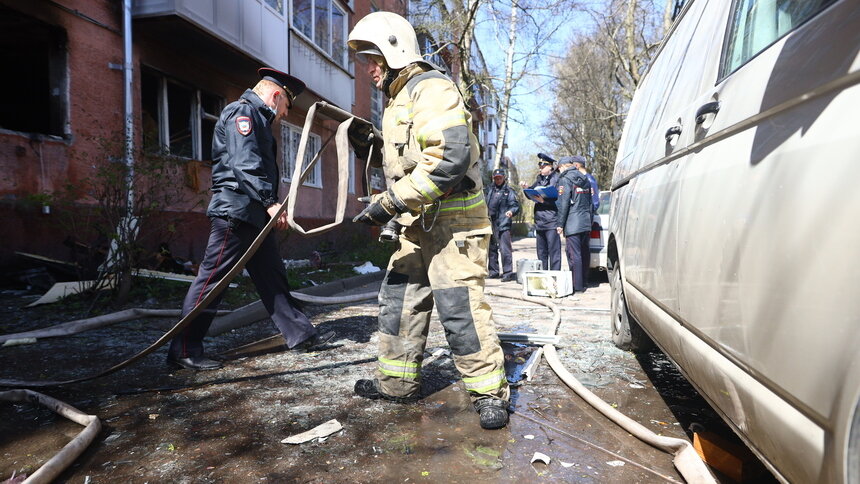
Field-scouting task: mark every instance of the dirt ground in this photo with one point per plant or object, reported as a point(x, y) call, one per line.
point(227, 425)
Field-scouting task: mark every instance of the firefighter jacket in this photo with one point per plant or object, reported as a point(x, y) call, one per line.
point(546, 213)
point(430, 152)
point(574, 202)
point(501, 199)
point(245, 172)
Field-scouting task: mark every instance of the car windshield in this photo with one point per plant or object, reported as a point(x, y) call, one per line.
point(604, 203)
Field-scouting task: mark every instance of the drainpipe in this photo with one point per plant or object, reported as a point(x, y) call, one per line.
point(129, 113)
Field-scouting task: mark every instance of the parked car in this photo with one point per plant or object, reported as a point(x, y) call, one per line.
point(599, 231)
point(735, 222)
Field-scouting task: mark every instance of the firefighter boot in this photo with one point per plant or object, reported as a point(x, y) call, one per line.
point(493, 412)
point(370, 389)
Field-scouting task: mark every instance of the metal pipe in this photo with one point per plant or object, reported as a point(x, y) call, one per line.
point(128, 71)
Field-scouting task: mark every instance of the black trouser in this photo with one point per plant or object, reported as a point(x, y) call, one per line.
point(500, 241)
point(549, 249)
point(579, 258)
point(227, 242)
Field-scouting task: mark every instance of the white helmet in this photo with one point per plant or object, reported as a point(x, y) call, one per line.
point(386, 34)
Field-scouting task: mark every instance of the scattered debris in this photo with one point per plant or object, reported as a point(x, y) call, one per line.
point(366, 268)
point(297, 263)
point(531, 338)
point(566, 464)
point(318, 432)
point(616, 463)
point(19, 341)
point(529, 436)
point(62, 289)
point(15, 479)
point(532, 364)
point(168, 276)
point(541, 457)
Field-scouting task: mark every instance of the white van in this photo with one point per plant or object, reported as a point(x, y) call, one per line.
point(735, 224)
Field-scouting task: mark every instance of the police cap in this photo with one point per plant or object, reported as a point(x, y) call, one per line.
point(293, 86)
point(499, 172)
point(569, 160)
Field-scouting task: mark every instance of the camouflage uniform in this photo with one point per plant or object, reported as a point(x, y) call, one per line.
point(432, 155)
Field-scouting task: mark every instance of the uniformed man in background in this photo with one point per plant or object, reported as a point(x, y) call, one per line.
point(575, 215)
point(503, 204)
point(244, 197)
point(431, 155)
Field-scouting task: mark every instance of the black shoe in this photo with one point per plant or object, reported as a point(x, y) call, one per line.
point(493, 276)
point(314, 343)
point(370, 389)
point(509, 277)
point(493, 412)
point(196, 363)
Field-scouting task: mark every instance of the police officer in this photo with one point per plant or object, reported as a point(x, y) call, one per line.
point(575, 215)
point(244, 196)
point(546, 218)
point(431, 155)
point(502, 204)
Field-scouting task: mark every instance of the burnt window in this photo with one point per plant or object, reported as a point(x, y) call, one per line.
point(33, 56)
point(177, 119)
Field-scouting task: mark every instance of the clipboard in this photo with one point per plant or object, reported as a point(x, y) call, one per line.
point(541, 194)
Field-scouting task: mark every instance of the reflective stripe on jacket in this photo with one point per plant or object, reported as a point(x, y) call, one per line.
point(430, 151)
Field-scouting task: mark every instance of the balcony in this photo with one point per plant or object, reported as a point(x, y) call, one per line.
point(238, 23)
point(320, 73)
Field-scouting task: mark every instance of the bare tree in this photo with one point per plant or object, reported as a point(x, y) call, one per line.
point(531, 25)
point(449, 25)
point(597, 78)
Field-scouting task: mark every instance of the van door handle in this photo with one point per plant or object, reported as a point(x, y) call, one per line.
point(709, 108)
point(672, 132)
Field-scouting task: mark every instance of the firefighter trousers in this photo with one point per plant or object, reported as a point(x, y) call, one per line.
point(444, 267)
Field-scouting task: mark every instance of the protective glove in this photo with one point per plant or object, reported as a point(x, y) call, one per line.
point(383, 207)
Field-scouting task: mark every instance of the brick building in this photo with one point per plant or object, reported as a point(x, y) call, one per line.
point(65, 107)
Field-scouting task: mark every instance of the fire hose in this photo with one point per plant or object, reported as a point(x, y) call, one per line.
point(685, 459)
point(363, 132)
point(363, 129)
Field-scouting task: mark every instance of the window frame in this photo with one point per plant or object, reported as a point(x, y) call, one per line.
point(344, 62)
point(197, 111)
point(727, 40)
point(274, 10)
point(314, 179)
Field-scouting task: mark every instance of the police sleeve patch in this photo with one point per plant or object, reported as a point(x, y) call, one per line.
point(243, 125)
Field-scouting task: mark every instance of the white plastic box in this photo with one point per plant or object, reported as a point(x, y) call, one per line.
point(548, 283)
point(527, 265)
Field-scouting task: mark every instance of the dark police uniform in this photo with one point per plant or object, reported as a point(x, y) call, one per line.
point(501, 199)
point(245, 180)
point(575, 215)
point(548, 240)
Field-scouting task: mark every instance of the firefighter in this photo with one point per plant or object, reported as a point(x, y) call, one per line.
point(431, 155)
point(502, 204)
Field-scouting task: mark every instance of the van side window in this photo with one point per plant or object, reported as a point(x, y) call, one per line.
point(756, 24)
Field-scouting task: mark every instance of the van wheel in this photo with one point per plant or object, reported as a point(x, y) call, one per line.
point(626, 332)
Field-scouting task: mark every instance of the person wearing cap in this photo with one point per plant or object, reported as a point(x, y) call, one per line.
point(245, 179)
point(575, 215)
point(546, 217)
point(502, 204)
point(580, 164)
point(431, 156)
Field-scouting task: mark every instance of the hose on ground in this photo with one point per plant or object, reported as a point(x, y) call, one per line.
point(686, 460)
point(62, 459)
